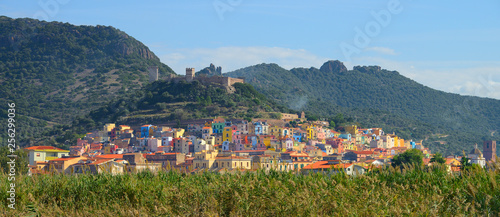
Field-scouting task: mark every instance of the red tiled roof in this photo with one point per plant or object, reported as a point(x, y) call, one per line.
point(99, 161)
point(233, 157)
point(64, 158)
point(110, 156)
point(363, 152)
point(43, 148)
point(318, 165)
point(244, 151)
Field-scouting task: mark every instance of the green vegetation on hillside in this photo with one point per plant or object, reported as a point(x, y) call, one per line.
point(163, 101)
point(389, 192)
point(375, 97)
point(56, 71)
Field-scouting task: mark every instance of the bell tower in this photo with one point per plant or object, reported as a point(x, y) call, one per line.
point(490, 150)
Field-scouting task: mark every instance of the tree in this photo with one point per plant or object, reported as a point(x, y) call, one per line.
point(276, 116)
point(438, 158)
point(332, 124)
point(465, 162)
point(412, 157)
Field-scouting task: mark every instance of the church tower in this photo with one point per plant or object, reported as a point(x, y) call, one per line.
point(490, 150)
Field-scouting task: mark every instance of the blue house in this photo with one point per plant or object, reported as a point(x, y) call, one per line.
point(346, 136)
point(145, 130)
point(297, 137)
point(258, 128)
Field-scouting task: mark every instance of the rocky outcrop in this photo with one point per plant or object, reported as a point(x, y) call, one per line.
point(210, 71)
point(333, 66)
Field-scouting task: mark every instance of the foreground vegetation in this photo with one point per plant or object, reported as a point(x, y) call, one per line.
point(411, 191)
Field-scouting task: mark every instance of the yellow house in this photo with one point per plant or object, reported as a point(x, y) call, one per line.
point(350, 146)
point(267, 141)
point(177, 132)
point(311, 133)
point(227, 134)
point(44, 153)
point(353, 129)
point(62, 165)
point(208, 124)
point(204, 159)
point(276, 131)
point(108, 127)
point(123, 127)
point(233, 162)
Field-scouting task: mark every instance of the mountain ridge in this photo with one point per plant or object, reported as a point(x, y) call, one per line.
point(333, 88)
point(56, 71)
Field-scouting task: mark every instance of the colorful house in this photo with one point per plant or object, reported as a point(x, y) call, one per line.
point(44, 153)
point(218, 125)
point(227, 134)
point(146, 130)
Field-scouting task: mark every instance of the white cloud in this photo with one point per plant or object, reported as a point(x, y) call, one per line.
point(381, 50)
point(232, 58)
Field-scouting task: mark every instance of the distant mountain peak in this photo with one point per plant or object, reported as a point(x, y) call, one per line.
point(333, 66)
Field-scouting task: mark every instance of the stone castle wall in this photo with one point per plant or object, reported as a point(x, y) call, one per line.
point(223, 81)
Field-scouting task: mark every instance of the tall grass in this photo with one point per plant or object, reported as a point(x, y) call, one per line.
point(413, 191)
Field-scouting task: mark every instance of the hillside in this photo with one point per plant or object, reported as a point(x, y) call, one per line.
point(55, 71)
point(370, 93)
point(162, 102)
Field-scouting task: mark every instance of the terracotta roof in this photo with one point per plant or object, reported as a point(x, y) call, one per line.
point(110, 156)
point(65, 158)
point(233, 157)
point(452, 161)
point(43, 148)
point(244, 151)
point(363, 152)
point(99, 161)
point(318, 165)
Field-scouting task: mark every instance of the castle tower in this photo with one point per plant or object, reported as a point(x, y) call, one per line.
point(490, 150)
point(153, 73)
point(190, 74)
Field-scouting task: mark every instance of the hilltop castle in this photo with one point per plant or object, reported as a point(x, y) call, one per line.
point(226, 82)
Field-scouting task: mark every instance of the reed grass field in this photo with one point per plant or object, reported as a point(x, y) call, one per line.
point(412, 191)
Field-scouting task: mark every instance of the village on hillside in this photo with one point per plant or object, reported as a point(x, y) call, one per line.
point(229, 145)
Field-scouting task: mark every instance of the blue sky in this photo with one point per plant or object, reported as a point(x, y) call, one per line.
point(452, 46)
